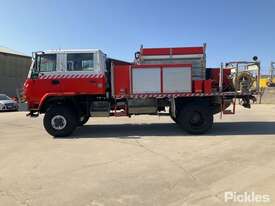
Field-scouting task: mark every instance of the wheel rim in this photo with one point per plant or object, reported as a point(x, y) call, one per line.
point(196, 119)
point(58, 122)
point(82, 118)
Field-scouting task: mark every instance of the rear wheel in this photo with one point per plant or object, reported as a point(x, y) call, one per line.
point(60, 121)
point(196, 118)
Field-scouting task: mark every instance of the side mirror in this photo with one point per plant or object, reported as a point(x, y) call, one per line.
point(137, 55)
point(255, 58)
point(34, 75)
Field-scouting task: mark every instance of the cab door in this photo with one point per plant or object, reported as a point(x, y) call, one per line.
point(84, 73)
point(48, 80)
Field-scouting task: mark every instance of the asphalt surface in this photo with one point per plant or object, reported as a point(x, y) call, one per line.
point(143, 160)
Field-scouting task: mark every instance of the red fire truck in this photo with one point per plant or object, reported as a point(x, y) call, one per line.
point(70, 86)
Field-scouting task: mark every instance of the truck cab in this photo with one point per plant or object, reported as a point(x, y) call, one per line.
point(65, 72)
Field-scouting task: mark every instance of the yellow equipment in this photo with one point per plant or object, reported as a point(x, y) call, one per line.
point(271, 82)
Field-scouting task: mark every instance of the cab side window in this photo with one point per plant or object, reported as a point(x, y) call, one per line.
point(46, 63)
point(81, 62)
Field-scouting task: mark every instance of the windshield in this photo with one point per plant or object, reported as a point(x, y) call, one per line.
point(4, 97)
point(46, 63)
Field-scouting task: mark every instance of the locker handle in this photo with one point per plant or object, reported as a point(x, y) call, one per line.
point(55, 81)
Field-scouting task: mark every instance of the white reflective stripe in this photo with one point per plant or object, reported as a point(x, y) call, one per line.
point(166, 95)
point(68, 76)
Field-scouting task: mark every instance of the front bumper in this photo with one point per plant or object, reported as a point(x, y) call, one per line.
point(7, 109)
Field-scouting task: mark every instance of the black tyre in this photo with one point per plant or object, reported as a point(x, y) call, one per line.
point(196, 118)
point(83, 120)
point(60, 121)
point(174, 119)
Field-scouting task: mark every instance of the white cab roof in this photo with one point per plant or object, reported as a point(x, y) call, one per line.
point(55, 51)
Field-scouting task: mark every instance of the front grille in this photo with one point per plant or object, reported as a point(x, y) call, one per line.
point(10, 105)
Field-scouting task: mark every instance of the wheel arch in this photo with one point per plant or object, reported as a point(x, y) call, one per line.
point(183, 101)
point(54, 100)
point(214, 103)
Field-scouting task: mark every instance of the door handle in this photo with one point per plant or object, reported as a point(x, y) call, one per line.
point(55, 81)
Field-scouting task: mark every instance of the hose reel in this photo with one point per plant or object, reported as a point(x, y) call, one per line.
point(244, 81)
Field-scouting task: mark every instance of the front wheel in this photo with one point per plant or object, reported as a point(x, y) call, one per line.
point(59, 121)
point(195, 118)
point(173, 118)
point(83, 120)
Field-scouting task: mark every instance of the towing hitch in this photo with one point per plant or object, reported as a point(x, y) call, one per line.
point(32, 114)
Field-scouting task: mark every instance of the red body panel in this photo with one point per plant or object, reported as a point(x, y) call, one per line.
point(122, 80)
point(86, 85)
point(198, 86)
point(35, 89)
point(207, 86)
point(69, 84)
point(215, 76)
point(172, 51)
point(160, 65)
